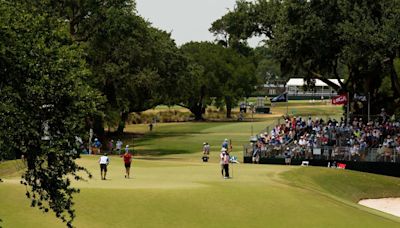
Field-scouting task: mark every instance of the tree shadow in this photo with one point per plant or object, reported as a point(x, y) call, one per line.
point(160, 152)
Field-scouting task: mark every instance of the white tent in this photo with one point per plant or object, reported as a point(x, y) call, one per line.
point(294, 87)
point(301, 82)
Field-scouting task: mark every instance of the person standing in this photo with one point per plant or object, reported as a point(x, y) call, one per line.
point(288, 156)
point(225, 144)
point(96, 146)
point(206, 152)
point(127, 161)
point(226, 164)
point(111, 146)
point(119, 146)
point(103, 161)
point(222, 156)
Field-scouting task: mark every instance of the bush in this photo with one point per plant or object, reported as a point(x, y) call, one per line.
point(161, 117)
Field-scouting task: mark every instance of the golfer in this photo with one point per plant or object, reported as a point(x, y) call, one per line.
point(127, 161)
point(103, 161)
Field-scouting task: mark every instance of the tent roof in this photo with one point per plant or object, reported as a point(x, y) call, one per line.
point(301, 82)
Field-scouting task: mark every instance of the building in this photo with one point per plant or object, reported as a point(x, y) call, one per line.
point(296, 89)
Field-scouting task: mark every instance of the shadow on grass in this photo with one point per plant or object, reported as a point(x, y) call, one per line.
point(160, 152)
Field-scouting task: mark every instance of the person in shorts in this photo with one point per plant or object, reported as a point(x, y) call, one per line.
point(127, 161)
point(103, 161)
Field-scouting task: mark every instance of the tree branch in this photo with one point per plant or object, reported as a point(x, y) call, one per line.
point(325, 80)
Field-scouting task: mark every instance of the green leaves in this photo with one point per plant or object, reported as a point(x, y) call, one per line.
point(45, 100)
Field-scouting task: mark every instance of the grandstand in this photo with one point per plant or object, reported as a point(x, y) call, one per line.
point(322, 142)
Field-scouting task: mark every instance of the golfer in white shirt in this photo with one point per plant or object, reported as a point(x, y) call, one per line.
point(103, 161)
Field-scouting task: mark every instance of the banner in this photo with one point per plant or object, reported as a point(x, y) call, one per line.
point(340, 100)
point(360, 97)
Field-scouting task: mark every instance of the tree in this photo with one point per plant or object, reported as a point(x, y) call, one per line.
point(221, 73)
point(133, 64)
point(45, 101)
point(356, 40)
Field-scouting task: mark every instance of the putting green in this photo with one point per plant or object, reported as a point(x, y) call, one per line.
point(180, 193)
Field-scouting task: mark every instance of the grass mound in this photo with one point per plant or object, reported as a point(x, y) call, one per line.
point(11, 168)
point(345, 184)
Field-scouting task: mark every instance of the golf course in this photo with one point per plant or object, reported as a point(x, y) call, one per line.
point(171, 187)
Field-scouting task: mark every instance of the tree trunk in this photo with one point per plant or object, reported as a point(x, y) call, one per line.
point(122, 122)
point(228, 102)
point(394, 79)
point(197, 112)
point(98, 126)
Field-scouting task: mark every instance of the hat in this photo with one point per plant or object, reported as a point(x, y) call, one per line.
point(204, 143)
point(95, 139)
point(126, 146)
point(226, 140)
point(223, 149)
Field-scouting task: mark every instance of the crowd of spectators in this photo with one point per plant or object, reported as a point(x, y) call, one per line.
point(309, 138)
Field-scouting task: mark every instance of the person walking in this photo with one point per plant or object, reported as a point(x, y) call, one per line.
point(103, 161)
point(127, 161)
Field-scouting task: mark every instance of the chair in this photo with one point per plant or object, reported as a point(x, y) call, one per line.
point(305, 163)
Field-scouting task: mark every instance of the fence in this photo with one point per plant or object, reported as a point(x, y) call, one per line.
point(339, 153)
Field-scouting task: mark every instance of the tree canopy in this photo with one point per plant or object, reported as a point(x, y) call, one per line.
point(355, 40)
point(45, 100)
point(222, 73)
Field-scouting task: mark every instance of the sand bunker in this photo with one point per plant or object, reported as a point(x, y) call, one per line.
point(388, 205)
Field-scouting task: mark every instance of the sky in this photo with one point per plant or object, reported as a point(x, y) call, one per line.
point(186, 20)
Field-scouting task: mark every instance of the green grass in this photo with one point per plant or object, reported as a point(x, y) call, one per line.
point(181, 193)
point(345, 184)
point(171, 187)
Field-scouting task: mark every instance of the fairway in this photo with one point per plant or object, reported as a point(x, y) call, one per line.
point(179, 193)
point(171, 187)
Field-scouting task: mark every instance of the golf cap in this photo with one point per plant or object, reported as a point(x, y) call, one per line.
point(204, 143)
point(126, 146)
point(223, 149)
point(226, 140)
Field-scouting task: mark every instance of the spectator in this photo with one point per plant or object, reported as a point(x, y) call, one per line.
point(222, 156)
point(119, 146)
point(111, 146)
point(96, 146)
point(288, 156)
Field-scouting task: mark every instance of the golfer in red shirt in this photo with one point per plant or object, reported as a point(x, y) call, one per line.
point(127, 161)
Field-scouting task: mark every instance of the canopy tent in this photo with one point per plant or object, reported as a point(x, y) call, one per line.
point(301, 82)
